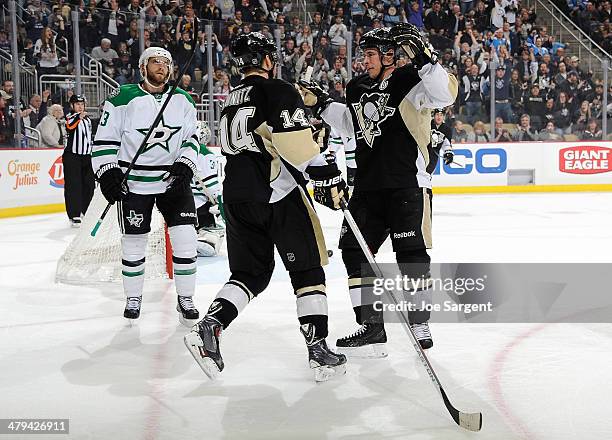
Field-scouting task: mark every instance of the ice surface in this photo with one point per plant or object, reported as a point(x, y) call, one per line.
point(66, 351)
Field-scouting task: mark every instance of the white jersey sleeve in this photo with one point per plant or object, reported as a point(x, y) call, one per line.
point(209, 187)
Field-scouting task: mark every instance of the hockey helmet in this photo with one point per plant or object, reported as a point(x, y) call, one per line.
point(380, 39)
point(77, 98)
point(250, 50)
point(154, 52)
point(203, 131)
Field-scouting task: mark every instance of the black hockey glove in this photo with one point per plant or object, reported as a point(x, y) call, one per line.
point(111, 181)
point(350, 176)
point(314, 97)
point(448, 157)
point(414, 44)
point(179, 176)
point(329, 186)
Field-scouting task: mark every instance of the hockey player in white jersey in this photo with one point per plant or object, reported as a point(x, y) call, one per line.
point(161, 176)
point(207, 190)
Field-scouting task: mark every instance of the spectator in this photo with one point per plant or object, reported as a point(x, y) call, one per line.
point(479, 135)
point(498, 13)
point(182, 52)
point(436, 20)
point(7, 127)
point(338, 72)
point(337, 91)
point(549, 133)
point(304, 35)
point(211, 11)
point(459, 134)
point(37, 108)
point(535, 105)
point(473, 93)
point(106, 55)
point(564, 111)
point(581, 118)
point(223, 86)
point(415, 14)
point(524, 132)
point(503, 106)
point(337, 33)
point(52, 129)
point(46, 53)
point(456, 21)
point(113, 21)
point(592, 131)
point(501, 134)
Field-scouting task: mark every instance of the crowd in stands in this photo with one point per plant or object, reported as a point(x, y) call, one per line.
point(540, 93)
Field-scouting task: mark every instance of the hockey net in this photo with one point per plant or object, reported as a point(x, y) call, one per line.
point(94, 260)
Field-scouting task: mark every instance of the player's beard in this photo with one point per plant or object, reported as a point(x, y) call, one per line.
point(156, 79)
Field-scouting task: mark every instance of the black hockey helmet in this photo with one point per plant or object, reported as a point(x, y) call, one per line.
point(378, 39)
point(250, 50)
point(77, 98)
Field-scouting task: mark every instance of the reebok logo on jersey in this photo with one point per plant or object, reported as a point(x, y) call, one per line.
point(404, 234)
point(135, 219)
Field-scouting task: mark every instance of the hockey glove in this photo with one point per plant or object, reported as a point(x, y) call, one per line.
point(448, 157)
point(112, 184)
point(314, 97)
point(329, 186)
point(179, 176)
point(414, 44)
point(350, 176)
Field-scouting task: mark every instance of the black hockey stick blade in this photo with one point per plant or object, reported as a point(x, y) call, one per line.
point(469, 421)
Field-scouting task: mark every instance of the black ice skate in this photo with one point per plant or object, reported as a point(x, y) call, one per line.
point(324, 362)
point(132, 307)
point(369, 341)
point(187, 311)
point(203, 344)
point(422, 334)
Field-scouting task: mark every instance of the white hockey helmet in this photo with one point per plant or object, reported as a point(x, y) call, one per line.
point(203, 131)
point(154, 52)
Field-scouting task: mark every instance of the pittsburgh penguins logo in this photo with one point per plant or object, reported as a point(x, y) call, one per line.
point(371, 111)
point(437, 138)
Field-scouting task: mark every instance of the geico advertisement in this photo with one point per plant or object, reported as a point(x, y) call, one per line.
point(31, 177)
point(473, 165)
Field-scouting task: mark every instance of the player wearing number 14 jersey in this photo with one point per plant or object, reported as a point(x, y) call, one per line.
point(269, 147)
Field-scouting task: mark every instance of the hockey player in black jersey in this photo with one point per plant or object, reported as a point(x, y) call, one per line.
point(389, 111)
point(440, 145)
point(268, 143)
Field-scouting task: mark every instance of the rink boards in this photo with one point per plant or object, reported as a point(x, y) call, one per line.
point(32, 180)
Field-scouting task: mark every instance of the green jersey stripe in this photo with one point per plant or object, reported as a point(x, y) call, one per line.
point(145, 178)
point(106, 152)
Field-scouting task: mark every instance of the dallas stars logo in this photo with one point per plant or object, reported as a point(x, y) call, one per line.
point(160, 136)
point(371, 111)
point(135, 219)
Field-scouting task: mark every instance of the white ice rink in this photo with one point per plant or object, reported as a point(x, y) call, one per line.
point(66, 351)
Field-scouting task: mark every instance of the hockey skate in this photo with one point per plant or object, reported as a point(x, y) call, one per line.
point(422, 334)
point(203, 344)
point(210, 240)
point(324, 362)
point(75, 222)
point(132, 307)
point(187, 310)
point(369, 341)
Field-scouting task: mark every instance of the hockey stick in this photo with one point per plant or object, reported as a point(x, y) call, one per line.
point(153, 125)
point(469, 421)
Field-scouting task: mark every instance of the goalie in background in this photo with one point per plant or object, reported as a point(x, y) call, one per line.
point(207, 190)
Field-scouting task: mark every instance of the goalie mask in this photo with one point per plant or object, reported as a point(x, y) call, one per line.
point(250, 50)
point(203, 132)
point(154, 52)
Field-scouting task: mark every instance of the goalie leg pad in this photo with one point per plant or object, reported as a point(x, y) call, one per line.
point(133, 247)
point(184, 243)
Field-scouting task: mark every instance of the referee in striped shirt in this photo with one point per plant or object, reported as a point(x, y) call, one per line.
point(79, 180)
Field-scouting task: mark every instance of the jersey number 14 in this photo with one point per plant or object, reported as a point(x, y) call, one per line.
point(235, 136)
